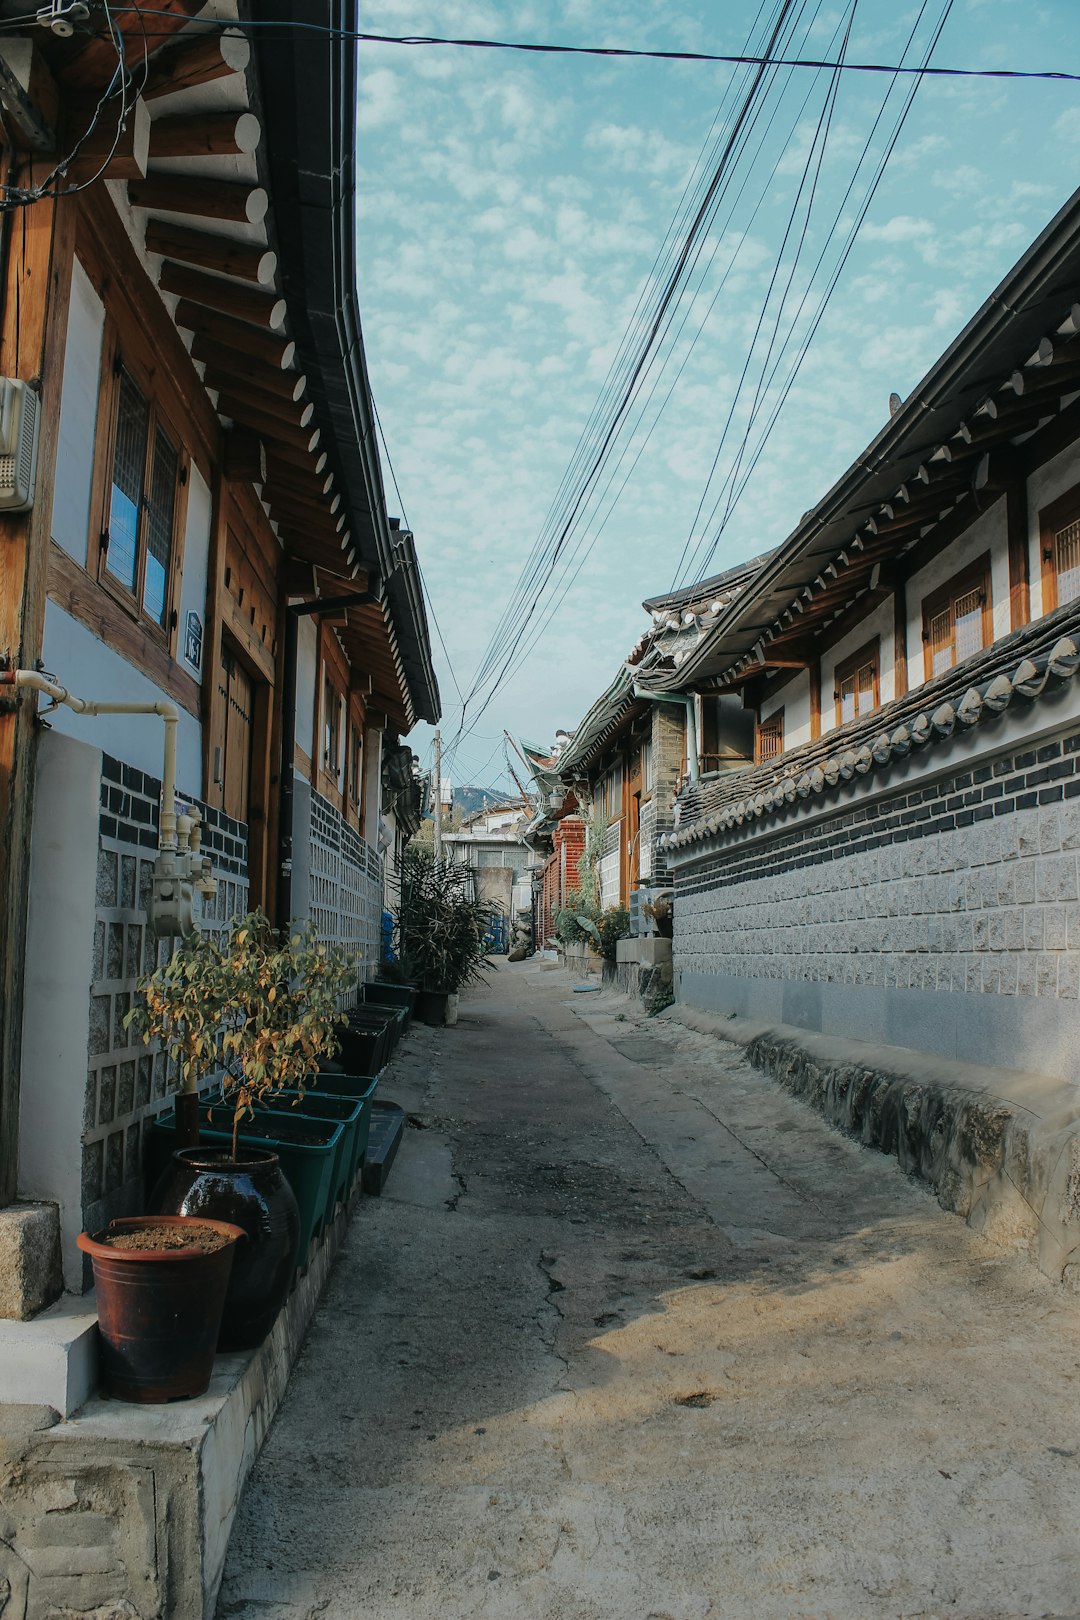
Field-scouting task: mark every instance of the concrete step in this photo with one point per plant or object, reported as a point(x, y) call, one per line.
point(52, 1359)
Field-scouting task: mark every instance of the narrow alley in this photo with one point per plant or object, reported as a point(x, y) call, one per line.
point(633, 1335)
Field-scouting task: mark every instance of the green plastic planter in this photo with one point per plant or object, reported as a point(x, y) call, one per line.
point(308, 1167)
point(360, 1086)
point(347, 1111)
point(387, 994)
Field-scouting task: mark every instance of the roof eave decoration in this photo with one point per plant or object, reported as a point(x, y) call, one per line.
point(1014, 368)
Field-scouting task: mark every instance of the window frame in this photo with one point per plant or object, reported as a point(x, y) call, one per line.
point(116, 360)
point(868, 653)
point(975, 575)
point(1057, 515)
point(773, 724)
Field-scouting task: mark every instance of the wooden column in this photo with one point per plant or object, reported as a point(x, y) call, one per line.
point(33, 332)
point(900, 670)
point(815, 699)
point(1016, 519)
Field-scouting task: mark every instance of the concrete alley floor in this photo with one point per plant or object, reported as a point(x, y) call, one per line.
point(633, 1335)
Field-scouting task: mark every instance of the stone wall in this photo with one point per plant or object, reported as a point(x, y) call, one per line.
point(944, 915)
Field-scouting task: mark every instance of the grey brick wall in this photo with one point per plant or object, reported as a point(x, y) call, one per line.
point(346, 885)
point(969, 883)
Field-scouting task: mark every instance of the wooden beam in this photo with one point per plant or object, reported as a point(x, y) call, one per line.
point(230, 200)
point(1016, 523)
point(270, 427)
point(223, 254)
point(232, 134)
point(28, 95)
point(900, 661)
point(224, 297)
point(92, 67)
point(268, 348)
point(33, 333)
point(201, 60)
point(233, 370)
point(109, 151)
point(289, 413)
point(317, 463)
point(815, 699)
point(243, 457)
point(300, 512)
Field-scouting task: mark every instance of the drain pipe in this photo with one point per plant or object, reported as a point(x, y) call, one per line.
point(687, 703)
point(294, 612)
point(31, 680)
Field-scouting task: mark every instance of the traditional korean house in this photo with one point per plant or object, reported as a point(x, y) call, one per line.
point(897, 860)
point(203, 539)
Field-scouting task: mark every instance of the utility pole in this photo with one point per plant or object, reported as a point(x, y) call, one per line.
point(438, 797)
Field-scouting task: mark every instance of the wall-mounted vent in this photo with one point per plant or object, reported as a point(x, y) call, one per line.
point(19, 409)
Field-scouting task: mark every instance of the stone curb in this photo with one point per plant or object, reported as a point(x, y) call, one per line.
point(1000, 1147)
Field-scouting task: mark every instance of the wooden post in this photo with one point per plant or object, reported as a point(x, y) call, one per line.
point(900, 669)
point(33, 332)
point(1016, 520)
point(815, 699)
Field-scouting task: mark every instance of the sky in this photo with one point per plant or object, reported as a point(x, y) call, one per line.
point(511, 211)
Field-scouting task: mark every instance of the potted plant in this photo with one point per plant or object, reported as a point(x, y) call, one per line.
point(161, 1282)
point(257, 1009)
point(439, 932)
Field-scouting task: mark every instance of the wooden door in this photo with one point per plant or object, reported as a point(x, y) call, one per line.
point(237, 698)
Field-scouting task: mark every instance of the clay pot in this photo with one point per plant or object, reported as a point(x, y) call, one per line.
point(254, 1195)
point(159, 1310)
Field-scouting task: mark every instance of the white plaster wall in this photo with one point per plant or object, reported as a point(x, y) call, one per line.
point(1048, 483)
point(794, 698)
point(78, 418)
point(90, 669)
point(987, 533)
point(307, 661)
point(196, 558)
point(58, 971)
point(373, 751)
point(877, 623)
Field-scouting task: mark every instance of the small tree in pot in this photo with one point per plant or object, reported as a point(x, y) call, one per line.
point(439, 930)
point(257, 1009)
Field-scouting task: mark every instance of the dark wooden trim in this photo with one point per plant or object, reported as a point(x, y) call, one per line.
point(33, 333)
point(72, 589)
point(900, 634)
point(1016, 523)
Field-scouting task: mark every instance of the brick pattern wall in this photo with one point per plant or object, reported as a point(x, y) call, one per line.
point(967, 883)
point(346, 885)
point(668, 752)
point(609, 865)
point(126, 1084)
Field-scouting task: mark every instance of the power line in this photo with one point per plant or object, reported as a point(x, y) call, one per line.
point(614, 52)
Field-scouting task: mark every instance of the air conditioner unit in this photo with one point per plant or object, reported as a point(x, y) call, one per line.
point(19, 411)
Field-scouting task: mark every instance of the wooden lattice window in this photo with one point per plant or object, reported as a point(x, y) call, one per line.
point(858, 683)
point(770, 737)
point(958, 619)
point(1059, 527)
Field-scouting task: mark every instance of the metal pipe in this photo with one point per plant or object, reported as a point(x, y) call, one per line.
point(687, 702)
point(30, 679)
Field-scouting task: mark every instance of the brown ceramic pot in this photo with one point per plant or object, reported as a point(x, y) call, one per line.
point(159, 1310)
point(252, 1193)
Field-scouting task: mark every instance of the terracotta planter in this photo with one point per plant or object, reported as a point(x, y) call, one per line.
point(159, 1310)
point(252, 1193)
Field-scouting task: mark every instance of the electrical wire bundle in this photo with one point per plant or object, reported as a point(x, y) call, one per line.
point(755, 129)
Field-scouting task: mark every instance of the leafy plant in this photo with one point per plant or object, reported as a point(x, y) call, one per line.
point(576, 922)
point(614, 925)
point(259, 1005)
point(439, 928)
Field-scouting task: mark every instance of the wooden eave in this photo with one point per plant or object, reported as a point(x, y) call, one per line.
point(1000, 399)
point(204, 212)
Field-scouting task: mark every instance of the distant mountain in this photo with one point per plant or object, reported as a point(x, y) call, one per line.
point(469, 798)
